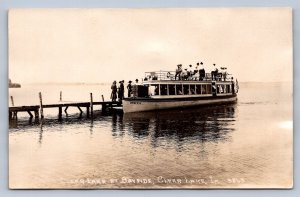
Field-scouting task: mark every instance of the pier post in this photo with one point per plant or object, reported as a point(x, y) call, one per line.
point(59, 113)
point(10, 115)
point(41, 105)
point(102, 97)
point(88, 111)
point(12, 101)
point(36, 115)
point(91, 104)
point(60, 96)
point(103, 107)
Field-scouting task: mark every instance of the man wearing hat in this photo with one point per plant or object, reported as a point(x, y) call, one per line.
point(129, 88)
point(113, 95)
point(121, 91)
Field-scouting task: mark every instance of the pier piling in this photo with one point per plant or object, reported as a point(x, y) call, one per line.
point(59, 113)
point(12, 101)
point(91, 103)
point(41, 105)
point(36, 115)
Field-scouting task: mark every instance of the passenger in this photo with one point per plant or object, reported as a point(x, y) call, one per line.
point(156, 91)
point(221, 89)
point(179, 92)
point(196, 69)
point(195, 72)
point(151, 90)
point(121, 91)
point(192, 91)
point(184, 75)
point(129, 88)
point(201, 72)
point(178, 71)
point(225, 75)
point(113, 95)
point(190, 72)
point(218, 89)
point(203, 88)
point(214, 89)
point(136, 82)
point(214, 74)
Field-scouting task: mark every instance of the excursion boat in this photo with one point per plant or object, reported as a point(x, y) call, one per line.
point(164, 90)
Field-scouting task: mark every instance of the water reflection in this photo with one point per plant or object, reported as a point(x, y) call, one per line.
point(203, 123)
point(180, 126)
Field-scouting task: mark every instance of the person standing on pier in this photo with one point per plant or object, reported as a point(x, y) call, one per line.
point(129, 88)
point(121, 91)
point(113, 95)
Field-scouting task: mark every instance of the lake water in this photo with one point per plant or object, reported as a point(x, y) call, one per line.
point(242, 145)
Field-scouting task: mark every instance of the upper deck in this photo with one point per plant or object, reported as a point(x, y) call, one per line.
point(169, 77)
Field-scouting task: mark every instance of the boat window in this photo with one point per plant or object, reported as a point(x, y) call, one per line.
point(179, 89)
point(163, 90)
point(192, 89)
point(153, 90)
point(208, 88)
point(186, 89)
point(228, 89)
point(203, 89)
point(220, 89)
point(171, 89)
point(198, 89)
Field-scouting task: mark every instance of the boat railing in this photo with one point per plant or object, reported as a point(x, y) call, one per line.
point(171, 75)
point(160, 75)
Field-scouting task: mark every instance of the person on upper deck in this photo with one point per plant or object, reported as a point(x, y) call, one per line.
point(201, 72)
point(214, 73)
point(190, 72)
point(178, 71)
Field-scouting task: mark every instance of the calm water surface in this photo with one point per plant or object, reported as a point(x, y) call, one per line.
point(247, 144)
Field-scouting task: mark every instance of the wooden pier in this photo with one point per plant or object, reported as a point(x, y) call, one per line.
point(37, 111)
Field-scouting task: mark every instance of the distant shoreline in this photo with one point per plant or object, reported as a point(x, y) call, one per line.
point(108, 83)
point(75, 83)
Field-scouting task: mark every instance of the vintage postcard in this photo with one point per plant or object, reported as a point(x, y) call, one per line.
point(150, 98)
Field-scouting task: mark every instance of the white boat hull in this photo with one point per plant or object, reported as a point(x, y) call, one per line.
point(138, 105)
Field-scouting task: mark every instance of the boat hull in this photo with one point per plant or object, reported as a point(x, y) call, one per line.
point(139, 105)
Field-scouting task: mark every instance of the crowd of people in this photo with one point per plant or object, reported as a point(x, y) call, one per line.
point(117, 92)
point(191, 73)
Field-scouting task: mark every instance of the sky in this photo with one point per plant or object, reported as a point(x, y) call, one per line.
point(102, 45)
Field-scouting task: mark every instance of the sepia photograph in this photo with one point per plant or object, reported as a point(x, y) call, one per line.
point(150, 98)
